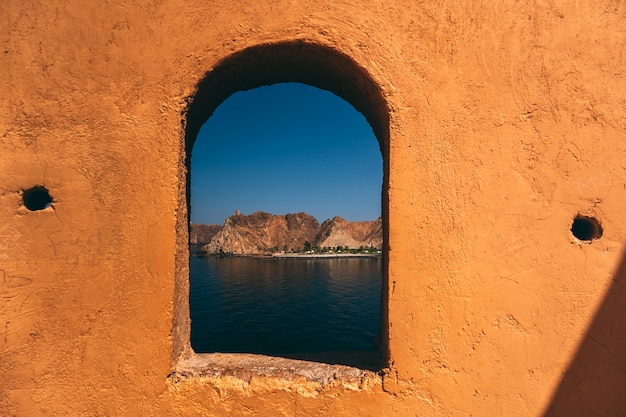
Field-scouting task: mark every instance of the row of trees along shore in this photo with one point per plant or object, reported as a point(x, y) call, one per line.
point(309, 248)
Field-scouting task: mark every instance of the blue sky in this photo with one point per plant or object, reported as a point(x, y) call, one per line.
point(284, 149)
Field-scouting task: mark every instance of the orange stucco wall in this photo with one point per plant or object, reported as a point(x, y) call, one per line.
point(505, 121)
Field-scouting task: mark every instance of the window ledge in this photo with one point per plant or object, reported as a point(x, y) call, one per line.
point(246, 366)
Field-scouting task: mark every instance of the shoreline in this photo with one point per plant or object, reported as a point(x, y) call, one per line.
point(292, 255)
point(326, 255)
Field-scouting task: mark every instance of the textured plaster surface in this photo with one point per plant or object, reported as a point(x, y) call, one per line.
point(499, 122)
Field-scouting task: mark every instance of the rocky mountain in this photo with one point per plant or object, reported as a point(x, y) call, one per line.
point(262, 233)
point(200, 234)
point(340, 232)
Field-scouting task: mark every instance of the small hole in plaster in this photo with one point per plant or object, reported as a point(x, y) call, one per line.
point(586, 228)
point(36, 198)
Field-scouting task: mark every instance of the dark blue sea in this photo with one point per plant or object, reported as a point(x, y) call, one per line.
point(285, 307)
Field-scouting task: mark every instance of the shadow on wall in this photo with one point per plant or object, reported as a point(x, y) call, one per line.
point(595, 382)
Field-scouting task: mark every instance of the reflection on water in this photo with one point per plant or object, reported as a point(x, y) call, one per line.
point(284, 306)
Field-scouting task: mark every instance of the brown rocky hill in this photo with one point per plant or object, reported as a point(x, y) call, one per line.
point(263, 233)
point(200, 234)
point(340, 232)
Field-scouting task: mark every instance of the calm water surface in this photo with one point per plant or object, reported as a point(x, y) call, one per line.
point(283, 306)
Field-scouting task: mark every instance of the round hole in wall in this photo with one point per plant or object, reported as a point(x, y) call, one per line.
point(586, 228)
point(36, 198)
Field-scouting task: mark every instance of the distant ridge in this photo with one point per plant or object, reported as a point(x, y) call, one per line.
point(201, 234)
point(263, 233)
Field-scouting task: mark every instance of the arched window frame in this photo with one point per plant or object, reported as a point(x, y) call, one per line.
point(298, 61)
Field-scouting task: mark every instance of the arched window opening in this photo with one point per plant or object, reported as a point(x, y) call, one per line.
point(296, 280)
point(269, 65)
